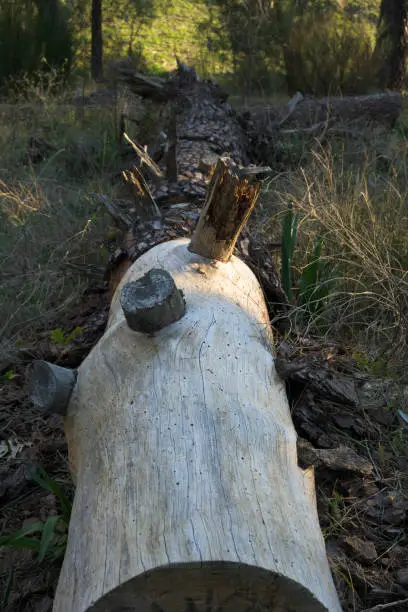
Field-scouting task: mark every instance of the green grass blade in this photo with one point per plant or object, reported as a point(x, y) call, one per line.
point(12, 538)
point(310, 274)
point(31, 543)
point(289, 234)
point(46, 482)
point(48, 535)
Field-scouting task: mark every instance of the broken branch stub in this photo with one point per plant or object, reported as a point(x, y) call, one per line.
point(50, 386)
point(230, 200)
point(152, 302)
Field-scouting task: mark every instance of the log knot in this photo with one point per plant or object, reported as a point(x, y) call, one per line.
point(152, 302)
point(50, 386)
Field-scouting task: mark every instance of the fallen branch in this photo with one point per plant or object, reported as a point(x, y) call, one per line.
point(144, 157)
point(307, 130)
point(146, 207)
point(153, 88)
point(293, 102)
point(123, 221)
point(387, 606)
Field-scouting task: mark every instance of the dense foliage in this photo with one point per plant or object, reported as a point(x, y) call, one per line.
point(34, 35)
point(316, 46)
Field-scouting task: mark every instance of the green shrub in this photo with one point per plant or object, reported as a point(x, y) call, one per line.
point(34, 36)
point(329, 54)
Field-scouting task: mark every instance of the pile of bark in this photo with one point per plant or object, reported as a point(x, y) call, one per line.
point(346, 421)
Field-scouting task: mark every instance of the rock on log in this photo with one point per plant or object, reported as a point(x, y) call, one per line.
point(188, 493)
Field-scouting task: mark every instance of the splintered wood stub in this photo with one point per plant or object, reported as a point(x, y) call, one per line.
point(152, 302)
point(230, 200)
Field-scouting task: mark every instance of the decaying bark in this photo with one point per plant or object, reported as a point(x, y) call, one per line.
point(230, 200)
point(205, 122)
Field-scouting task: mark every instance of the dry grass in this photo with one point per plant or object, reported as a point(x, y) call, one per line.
point(48, 250)
point(360, 212)
point(51, 230)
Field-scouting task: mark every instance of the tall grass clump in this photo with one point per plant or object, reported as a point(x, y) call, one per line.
point(52, 231)
point(349, 266)
point(47, 252)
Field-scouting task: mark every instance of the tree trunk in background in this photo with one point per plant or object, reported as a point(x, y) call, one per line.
point(96, 45)
point(391, 50)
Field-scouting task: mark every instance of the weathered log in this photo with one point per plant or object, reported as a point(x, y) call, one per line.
point(205, 123)
point(188, 493)
point(382, 108)
point(50, 386)
point(230, 200)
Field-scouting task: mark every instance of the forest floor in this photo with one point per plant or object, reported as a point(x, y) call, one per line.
point(55, 242)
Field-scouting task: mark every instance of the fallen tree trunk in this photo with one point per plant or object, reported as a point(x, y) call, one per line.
point(382, 108)
point(188, 493)
point(204, 122)
point(184, 456)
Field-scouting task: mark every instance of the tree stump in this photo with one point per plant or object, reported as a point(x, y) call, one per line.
point(230, 200)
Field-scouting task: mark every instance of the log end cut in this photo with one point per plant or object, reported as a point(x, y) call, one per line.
point(210, 587)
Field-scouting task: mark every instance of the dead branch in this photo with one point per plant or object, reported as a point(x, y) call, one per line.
point(146, 206)
point(144, 157)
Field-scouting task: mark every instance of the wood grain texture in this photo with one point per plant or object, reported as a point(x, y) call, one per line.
point(229, 202)
point(188, 494)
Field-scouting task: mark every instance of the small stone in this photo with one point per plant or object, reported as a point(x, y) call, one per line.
point(362, 550)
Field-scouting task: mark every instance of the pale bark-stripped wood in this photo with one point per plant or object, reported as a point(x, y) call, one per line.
point(188, 493)
point(230, 200)
point(144, 158)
